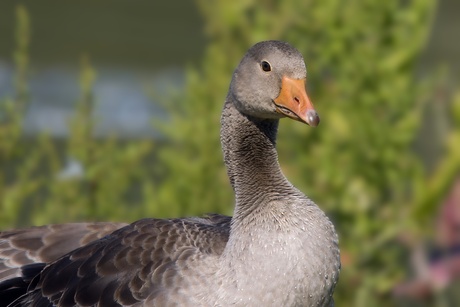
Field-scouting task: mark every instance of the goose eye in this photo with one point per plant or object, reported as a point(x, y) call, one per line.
point(265, 66)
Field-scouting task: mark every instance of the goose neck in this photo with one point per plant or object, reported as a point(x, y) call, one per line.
point(251, 158)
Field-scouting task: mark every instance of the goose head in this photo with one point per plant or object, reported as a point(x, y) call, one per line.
point(270, 82)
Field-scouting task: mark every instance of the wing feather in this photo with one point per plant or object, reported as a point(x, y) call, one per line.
point(143, 261)
point(45, 244)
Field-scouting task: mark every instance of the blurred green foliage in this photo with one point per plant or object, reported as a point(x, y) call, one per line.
point(359, 165)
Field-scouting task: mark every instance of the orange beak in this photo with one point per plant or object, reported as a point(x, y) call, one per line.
point(293, 102)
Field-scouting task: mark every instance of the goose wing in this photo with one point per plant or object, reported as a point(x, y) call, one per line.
point(149, 260)
point(45, 244)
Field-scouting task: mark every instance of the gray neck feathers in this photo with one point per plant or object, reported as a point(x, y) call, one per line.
point(252, 162)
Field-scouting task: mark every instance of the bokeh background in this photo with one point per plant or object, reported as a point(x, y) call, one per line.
point(109, 110)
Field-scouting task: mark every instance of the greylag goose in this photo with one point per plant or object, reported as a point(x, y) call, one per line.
point(278, 249)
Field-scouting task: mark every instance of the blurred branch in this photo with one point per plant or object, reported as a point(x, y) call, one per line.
point(432, 193)
point(21, 56)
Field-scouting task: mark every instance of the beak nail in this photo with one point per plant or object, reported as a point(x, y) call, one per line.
point(312, 118)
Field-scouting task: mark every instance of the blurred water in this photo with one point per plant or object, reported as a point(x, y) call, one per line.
point(122, 103)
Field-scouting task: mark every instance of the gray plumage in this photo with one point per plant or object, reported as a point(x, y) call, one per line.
point(279, 249)
point(45, 244)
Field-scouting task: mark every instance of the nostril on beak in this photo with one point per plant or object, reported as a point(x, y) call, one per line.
point(297, 100)
point(312, 118)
